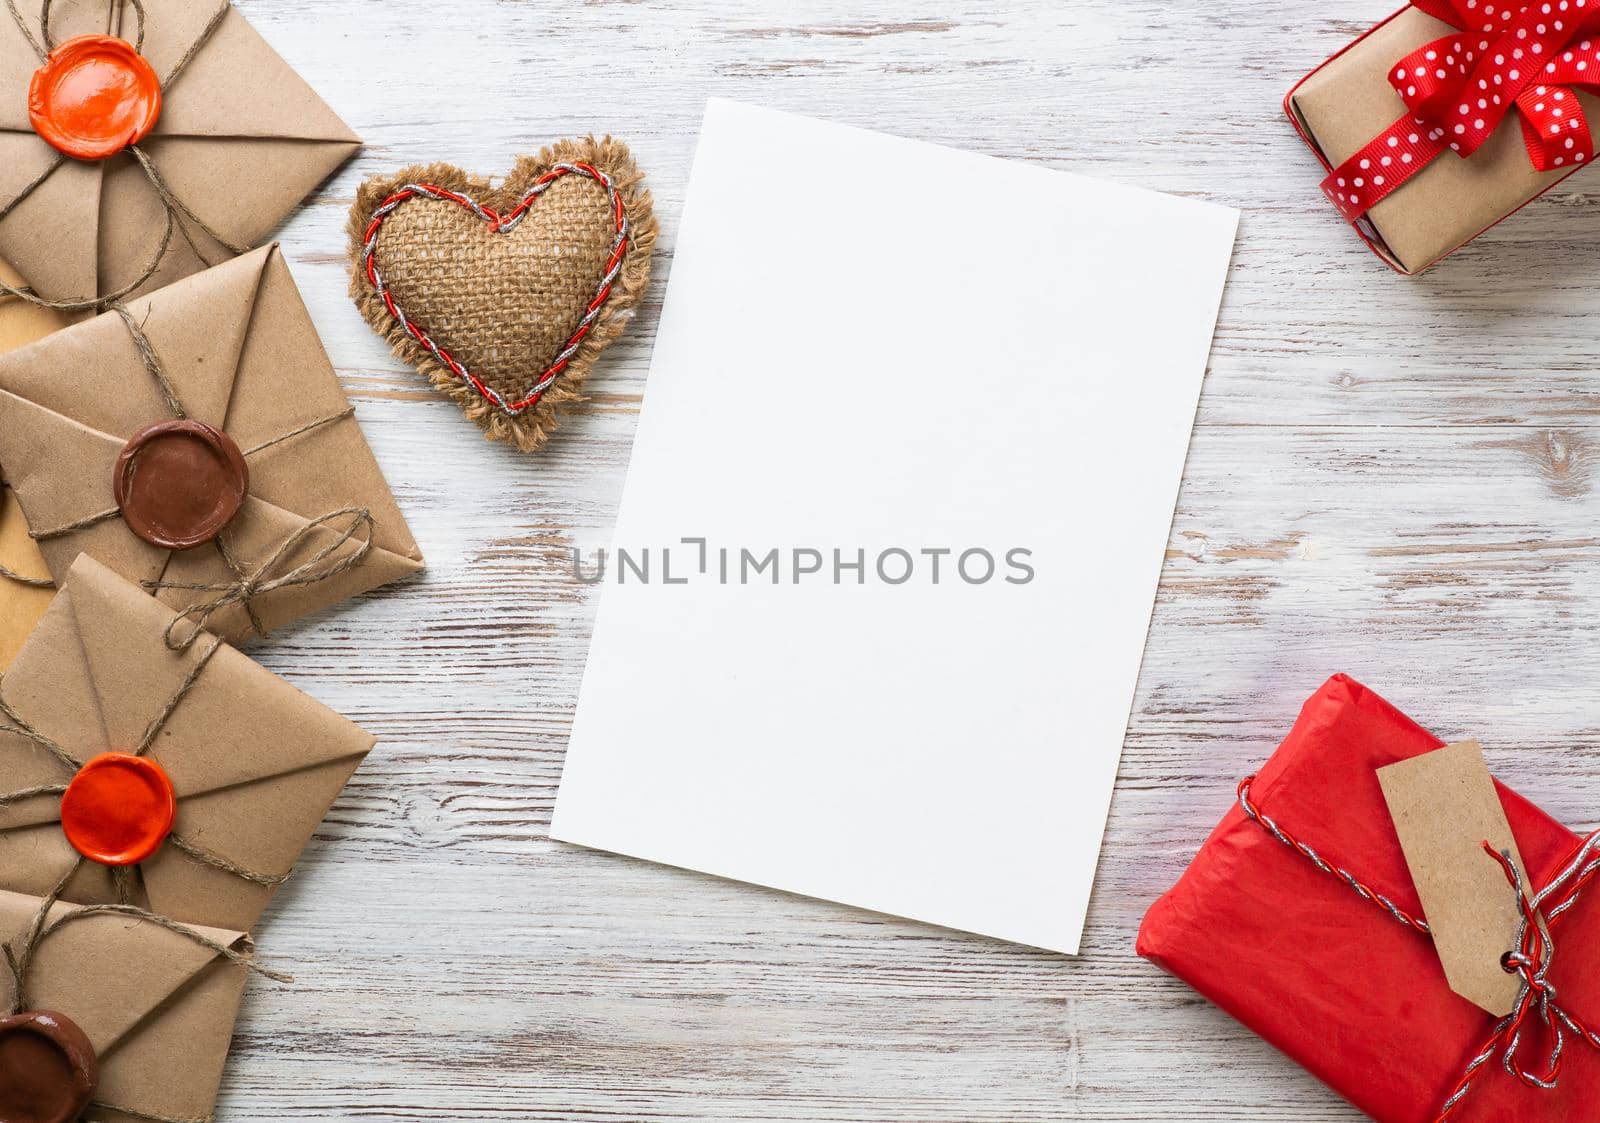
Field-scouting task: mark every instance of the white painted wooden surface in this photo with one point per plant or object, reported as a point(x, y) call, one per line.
point(1393, 478)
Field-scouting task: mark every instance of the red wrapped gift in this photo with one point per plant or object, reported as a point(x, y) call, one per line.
point(1347, 987)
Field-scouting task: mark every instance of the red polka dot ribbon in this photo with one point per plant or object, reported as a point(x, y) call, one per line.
point(1459, 88)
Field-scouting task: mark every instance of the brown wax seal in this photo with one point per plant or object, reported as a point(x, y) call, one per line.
point(179, 483)
point(48, 1069)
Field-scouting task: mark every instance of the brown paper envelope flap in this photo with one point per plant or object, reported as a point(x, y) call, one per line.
point(19, 58)
point(238, 86)
point(133, 220)
point(37, 442)
point(248, 729)
point(261, 826)
point(197, 327)
point(222, 180)
point(52, 237)
point(171, 1067)
point(323, 470)
point(240, 722)
point(35, 859)
point(122, 633)
point(26, 160)
point(23, 765)
point(255, 536)
point(171, 28)
point(93, 374)
point(52, 687)
point(108, 973)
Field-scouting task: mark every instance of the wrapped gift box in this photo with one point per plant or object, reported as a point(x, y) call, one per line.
point(1332, 980)
point(1341, 106)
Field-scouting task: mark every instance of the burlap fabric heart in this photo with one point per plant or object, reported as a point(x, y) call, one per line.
point(505, 295)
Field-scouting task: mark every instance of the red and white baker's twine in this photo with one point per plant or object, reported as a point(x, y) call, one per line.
point(499, 224)
point(1530, 959)
point(1458, 89)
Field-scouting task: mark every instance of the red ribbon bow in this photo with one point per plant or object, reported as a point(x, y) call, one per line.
point(1458, 89)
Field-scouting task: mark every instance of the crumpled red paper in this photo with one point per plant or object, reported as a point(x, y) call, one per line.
point(1332, 980)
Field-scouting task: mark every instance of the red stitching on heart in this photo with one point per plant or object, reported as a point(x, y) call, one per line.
point(501, 225)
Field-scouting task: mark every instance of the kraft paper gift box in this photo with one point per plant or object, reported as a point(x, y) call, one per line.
point(239, 143)
point(157, 1007)
point(253, 763)
point(1335, 982)
point(239, 351)
point(21, 604)
point(1349, 100)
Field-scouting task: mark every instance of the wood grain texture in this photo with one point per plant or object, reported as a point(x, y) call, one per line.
point(1393, 478)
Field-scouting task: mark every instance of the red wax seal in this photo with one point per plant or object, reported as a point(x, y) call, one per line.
point(118, 810)
point(48, 1069)
point(94, 96)
point(179, 483)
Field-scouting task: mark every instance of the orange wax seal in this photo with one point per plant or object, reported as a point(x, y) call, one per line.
point(48, 1069)
point(179, 483)
point(119, 809)
point(94, 96)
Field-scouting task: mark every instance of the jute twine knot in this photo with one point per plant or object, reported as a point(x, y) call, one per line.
point(321, 566)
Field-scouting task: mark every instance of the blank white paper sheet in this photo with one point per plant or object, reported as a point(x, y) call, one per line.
point(880, 363)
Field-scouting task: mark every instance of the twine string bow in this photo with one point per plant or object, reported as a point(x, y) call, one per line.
point(1536, 1013)
point(1526, 58)
point(270, 575)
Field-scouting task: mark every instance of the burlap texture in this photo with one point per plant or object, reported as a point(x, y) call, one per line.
point(505, 304)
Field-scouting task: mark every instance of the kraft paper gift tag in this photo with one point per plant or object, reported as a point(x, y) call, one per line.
point(1445, 807)
point(157, 1007)
point(240, 353)
point(240, 141)
point(254, 764)
point(20, 605)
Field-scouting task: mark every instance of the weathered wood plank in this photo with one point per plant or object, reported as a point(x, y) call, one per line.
point(1392, 478)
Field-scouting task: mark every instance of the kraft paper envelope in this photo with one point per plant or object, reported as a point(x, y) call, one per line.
point(241, 140)
point(20, 605)
point(157, 1007)
point(255, 764)
point(242, 354)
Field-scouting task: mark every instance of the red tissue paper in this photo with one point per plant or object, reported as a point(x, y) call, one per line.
point(1333, 980)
